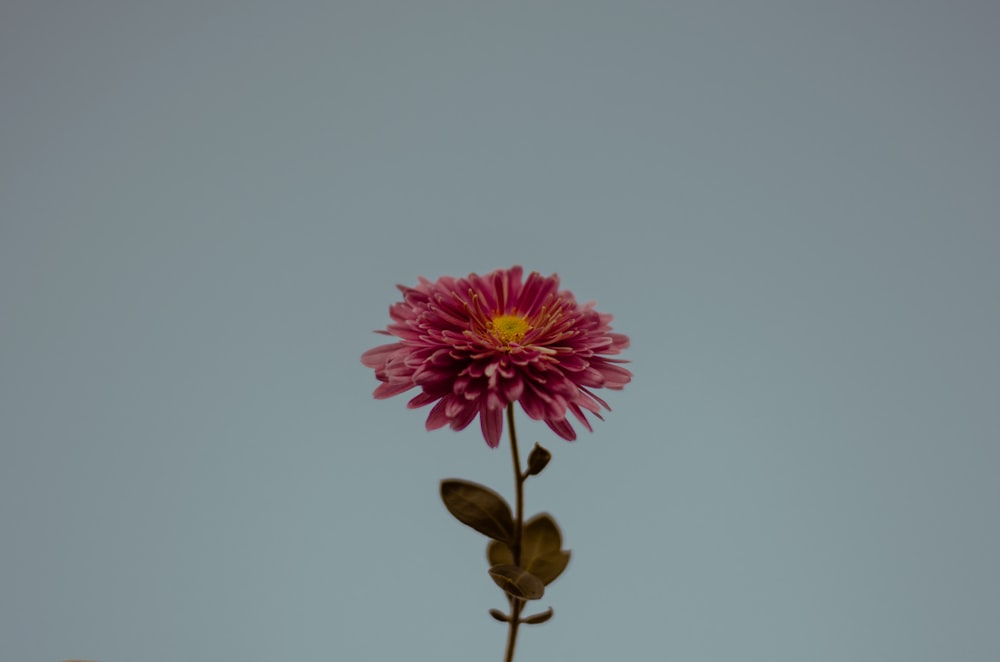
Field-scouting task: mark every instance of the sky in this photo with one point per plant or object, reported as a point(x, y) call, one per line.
point(789, 207)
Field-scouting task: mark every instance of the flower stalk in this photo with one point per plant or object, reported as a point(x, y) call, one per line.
point(516, 604)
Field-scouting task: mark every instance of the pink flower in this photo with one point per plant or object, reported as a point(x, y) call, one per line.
point(474, 345)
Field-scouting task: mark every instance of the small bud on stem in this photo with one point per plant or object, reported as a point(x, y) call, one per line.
point(537, 460)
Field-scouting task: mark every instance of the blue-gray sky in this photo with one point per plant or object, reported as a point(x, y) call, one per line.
point(791, 208)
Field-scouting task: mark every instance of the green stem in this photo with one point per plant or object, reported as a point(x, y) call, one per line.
point(515, 604)
point(518, 485)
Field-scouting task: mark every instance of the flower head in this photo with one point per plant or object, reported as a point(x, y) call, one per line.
point(474, 345)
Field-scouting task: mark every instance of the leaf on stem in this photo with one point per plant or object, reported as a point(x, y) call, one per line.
point(479, 507)
point(518, 582)
point(499, 615)
point(541, 549)
point(535, 619)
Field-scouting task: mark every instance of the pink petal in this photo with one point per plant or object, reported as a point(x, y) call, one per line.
point(388, 390)
point(491, 421)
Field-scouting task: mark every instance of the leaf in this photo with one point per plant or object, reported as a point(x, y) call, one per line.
point(549, 566)
point(541, 549)
point(535, 619)
point(498, 553)
point(479, 507)
point(540, 536)
point(518, 582)
point(499, 615)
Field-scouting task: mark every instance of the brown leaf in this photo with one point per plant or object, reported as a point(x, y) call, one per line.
point(499, 615)
point(535, 619)
point(518, 582)
point(541, 552)
point(480, 507)
point(540, 536)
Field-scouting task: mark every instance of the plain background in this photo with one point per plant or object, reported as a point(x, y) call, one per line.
point(790, 207)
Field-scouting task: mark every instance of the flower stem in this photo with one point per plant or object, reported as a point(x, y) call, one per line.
point(518, 485)
point(515, 604)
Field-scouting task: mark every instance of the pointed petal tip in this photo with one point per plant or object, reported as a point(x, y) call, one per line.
point(491, 421)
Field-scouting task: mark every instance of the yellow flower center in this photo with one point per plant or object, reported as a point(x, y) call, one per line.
point(509, 328)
